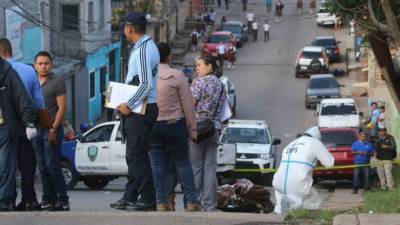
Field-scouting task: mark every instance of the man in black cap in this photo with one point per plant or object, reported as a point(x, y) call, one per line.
point(142, 71)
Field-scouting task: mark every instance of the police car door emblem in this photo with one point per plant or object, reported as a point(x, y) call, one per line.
point(243, 156)
point(92, 153)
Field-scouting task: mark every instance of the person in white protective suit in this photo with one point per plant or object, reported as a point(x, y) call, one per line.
point(293, 180)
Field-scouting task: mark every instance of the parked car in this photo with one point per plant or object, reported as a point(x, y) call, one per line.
point(327, 19)
point(321, 86)
point(255, 148)
point(238, 29)
point(338, 112)
point(227, 37)
point(331, 46)
point(338, 141)
point(230, 90)
point(96, 158)
point(311, 60)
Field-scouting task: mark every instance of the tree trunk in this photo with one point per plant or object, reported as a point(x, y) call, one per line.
point(391, 22)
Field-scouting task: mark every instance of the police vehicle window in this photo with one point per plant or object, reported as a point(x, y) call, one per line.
point(232, 28)
point(246, 135)
point(337, 138)
point(311, 55)
point(100, 134)
point(323, 83)
point(119, 134)
point(342, 109)
point(218, 38)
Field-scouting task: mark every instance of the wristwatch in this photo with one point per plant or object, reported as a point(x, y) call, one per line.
point(30, 125)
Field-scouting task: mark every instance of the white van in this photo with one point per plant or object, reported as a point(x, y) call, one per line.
point(338, 112)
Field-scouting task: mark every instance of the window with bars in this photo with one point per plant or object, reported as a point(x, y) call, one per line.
point(70, 17)
point(101, 14)
point(91, 16)
point(92, 88)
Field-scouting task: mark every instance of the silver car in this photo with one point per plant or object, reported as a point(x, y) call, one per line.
point(321, 86)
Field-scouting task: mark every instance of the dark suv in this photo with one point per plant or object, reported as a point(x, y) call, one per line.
point(311, 60)
point(331, 46)
point(321, 86)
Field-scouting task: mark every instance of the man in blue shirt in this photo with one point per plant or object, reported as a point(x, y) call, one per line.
point(142, 71)
point(25, 154)
point(362, 150)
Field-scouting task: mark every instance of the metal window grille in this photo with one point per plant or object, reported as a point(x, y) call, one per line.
point(101, 14)
point(70, 17)
point(91, 16)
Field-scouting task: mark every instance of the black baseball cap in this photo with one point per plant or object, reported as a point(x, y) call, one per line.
point(135, 18)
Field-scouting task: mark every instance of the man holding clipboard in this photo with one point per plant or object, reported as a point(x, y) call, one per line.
point(142, 71)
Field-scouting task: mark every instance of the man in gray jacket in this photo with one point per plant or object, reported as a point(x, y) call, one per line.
point(15, 107)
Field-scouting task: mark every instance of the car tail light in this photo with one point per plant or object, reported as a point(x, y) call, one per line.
point(336, 51)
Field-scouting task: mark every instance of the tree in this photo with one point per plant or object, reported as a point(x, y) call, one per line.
point(381, 20)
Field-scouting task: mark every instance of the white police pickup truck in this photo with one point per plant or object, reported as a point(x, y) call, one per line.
point(97, 157)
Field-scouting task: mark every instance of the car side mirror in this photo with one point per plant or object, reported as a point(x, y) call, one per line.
point(79, 137)
point(316, 114)
point(361, 114)
point(338, 42)
point(276, 141)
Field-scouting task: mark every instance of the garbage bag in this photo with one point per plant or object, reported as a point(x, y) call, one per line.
point(244, 196)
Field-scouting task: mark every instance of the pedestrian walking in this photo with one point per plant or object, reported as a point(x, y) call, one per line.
point(386, 152)
point(279, 11)
point(250, 16)
point(49, 141)
point(254, 28)
point(221, 54)
point(268, 4)
point(16, 107)
point(219, 2)
point(213, 17)
point(244, 5)
point(362, 150)
point(143, 67)
point(223, 20)
point(226, 4)
point(312, 5)
point(299, 6)
point(195, 39)
point(293, 180)
point(266, 27)
point(169, 139)
point(25, 153)
point(209, 94)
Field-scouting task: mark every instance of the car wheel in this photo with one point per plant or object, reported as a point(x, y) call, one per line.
point(296, 74)
point(96, 182)
point(70, 176)
point(224, 179)
point(265, 180)
point(307, 106)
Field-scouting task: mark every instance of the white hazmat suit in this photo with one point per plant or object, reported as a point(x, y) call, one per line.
point(293, 180)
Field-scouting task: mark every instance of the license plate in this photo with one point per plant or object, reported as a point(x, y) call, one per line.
point(303, 67)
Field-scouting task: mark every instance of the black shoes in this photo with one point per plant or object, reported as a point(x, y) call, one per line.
point(121, 204)
point(54, 206)
point(28, 206)
point(140, 206)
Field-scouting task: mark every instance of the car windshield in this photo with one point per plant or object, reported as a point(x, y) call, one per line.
point(338, 109)
point(319, 83)
point(311, 55)
point(232, 28)
point(218, 38)
point(245, 135)
point(325, 42)
point(337, 138)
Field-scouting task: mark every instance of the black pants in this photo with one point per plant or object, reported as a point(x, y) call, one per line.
point(219, 3)
point(138, 130)
point(226, 4)
point(255, 32)
point(27, 166)
point(221, 61)
point(266, 36)
point(244, 5)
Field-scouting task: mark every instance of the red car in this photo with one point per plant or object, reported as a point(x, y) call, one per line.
point(227, 37)
point(338, 141)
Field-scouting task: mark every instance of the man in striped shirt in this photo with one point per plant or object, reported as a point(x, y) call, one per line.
point(142, 71)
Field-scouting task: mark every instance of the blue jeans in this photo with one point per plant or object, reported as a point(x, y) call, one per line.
point(169, 142)
point(8, 161)
point(356, 177)
point(48, 159)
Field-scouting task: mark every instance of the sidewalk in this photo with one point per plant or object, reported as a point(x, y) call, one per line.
point(367, 219)
point(138, 218)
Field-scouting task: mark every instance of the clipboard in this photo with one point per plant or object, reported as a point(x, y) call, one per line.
point(118, 93)
point(44, 118)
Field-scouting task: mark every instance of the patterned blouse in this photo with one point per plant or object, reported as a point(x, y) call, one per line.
point(206, 91)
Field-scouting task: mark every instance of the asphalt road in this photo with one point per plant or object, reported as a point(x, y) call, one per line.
point(265, 85)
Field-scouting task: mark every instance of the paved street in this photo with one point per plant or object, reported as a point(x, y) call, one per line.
point(265, 85)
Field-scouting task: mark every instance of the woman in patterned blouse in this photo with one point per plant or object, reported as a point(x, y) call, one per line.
point(209, 95)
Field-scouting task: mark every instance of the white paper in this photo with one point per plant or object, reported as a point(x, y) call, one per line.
point(226, 112)
point(119, 93)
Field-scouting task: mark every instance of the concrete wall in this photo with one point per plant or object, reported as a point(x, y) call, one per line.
point(94, 62)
